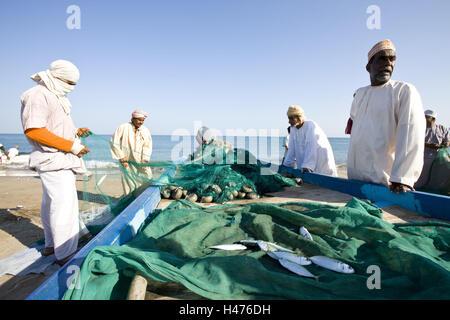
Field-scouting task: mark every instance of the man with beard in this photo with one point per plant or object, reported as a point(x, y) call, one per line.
point(131, 144)
point(387, 126)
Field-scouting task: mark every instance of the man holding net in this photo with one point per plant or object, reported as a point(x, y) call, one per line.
point(56, 156)
point(308, 145)
point(131, 144)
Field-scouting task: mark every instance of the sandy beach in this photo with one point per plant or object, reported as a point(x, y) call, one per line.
point(21, 227)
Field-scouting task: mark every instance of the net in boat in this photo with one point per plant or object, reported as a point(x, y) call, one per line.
point(216, 172)
point(173, 245)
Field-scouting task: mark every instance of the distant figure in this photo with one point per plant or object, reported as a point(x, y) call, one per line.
point(308, 145)
point(56, 156)
point(387, 126)
point(286, 144)
point(205, 137)
point(4, 151)
point(436, 136)
point(13, 152)
point(131, 144)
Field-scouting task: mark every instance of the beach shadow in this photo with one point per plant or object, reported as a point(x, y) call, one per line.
point(310, 192)
point(96, 198)
point(19, 227)
point(20, 287)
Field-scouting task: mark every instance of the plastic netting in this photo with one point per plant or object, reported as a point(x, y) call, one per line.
point(216, 172)
point(411, 261)
point(220, 174)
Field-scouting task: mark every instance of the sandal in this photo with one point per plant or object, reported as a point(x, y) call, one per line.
point(48, 251)
point(66, 259)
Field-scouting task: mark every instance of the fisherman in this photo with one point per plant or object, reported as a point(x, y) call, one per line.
point(436, 136)
point(131, 144)
point(13, 152)
point(387, 126)
point(206, 137)
point(56, 156)
point(4, 151)
point(308, 145)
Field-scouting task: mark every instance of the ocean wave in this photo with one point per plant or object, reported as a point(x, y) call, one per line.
point(18, 162)
point(98, 164)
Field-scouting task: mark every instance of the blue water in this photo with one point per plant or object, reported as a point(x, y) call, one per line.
point(166, 147)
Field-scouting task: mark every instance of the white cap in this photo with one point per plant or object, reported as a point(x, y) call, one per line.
point(431, 113)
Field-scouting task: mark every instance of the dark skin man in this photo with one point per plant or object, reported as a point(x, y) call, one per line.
point(431, 121)
point(380, 68)
point(137, 123)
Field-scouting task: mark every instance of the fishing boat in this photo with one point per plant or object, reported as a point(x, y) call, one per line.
point(412, 206)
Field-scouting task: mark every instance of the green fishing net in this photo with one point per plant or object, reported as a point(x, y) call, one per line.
point(216, 172)
point(413, 260)
point(224, 174)
point(439, 176)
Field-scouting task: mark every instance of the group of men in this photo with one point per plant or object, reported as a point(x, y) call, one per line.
point(387, 142)
point(390, 140)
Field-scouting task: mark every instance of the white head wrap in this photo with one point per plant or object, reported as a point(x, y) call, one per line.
point(139, 114)
point(382, 45)
point(59, 69)
point(204, 134)
point(296, 111)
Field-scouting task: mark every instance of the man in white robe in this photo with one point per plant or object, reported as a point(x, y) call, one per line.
point(131, 144)
point(387, 126)
point(308, 145)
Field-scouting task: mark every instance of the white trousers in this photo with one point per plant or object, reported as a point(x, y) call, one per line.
point(59, 212)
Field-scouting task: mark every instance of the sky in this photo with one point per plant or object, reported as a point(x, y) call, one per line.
point(231, 65)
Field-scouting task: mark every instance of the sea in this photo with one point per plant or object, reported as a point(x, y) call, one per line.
point(165, 148)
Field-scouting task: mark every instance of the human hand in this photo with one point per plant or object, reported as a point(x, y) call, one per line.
point(84, 132)
point(399, 187)
point(287, 174)
point(307, 170)
point(83, 152)
point(432, 145)
point(124, 162)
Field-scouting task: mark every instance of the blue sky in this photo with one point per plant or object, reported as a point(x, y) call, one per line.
point(231, 64)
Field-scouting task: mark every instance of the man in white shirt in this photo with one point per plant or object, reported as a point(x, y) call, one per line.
point(387, 126)
point(308, 145)
point(13, 152)
point(131, 144)
point(436, 137)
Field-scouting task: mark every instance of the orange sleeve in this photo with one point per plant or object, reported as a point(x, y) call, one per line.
point(45, 137)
